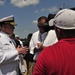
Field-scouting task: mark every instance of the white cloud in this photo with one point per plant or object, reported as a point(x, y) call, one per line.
point(44, 9)
point(51, 9)
point(2, 2)
point(35, 22)
point(24, 3)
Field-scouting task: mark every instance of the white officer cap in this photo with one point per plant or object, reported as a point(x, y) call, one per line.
point(65, 19)
point(8, 20)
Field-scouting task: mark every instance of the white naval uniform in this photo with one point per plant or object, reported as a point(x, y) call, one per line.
point(9, 58)
point(48, 39)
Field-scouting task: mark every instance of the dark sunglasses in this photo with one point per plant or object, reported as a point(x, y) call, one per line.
point(40, 26)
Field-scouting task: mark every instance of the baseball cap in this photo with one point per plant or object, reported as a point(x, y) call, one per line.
point(8, 20)
point(51, 22)
point(65, 19)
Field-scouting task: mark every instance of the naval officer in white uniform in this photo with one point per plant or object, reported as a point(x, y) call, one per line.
point(9, 55)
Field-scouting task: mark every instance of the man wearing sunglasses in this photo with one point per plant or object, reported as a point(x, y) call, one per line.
point(42, 38)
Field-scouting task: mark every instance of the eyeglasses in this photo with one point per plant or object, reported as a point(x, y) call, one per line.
point(42, 25)
point(39, 26)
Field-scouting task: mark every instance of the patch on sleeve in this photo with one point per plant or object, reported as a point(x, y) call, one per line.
point(6, 44)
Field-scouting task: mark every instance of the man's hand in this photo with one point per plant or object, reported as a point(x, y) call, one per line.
point(22, 50)
point(40, 46)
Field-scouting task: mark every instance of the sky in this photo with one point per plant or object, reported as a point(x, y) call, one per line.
point(26, 12)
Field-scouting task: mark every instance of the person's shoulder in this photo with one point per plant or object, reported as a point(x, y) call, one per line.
point(2, 35)
point(51, 47)
point(47, 52)
point(35, 33)
point(52, 31)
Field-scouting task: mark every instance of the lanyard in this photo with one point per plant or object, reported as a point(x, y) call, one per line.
point(42, 40)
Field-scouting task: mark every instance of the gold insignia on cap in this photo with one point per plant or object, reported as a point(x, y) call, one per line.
point(11, 23)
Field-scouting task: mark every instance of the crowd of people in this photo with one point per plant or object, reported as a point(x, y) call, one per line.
point(48, 51)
